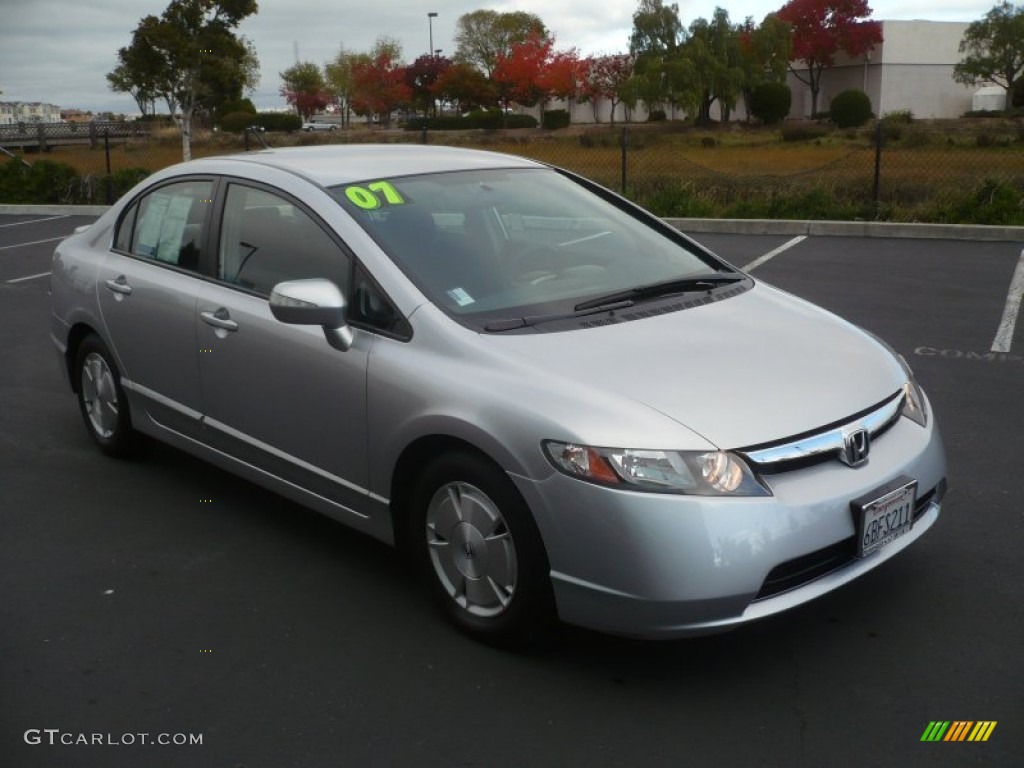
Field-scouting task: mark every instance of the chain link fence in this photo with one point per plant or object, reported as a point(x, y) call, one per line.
point(949, 172)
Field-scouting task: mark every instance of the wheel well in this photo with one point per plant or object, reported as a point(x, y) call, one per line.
point(408, 466)
point(75, 336)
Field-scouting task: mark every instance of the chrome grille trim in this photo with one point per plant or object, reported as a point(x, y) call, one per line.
point(830, 441)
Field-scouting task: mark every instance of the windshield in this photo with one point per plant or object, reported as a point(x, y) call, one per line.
point(514, 243)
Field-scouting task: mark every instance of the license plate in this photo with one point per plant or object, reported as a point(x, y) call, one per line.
point(884, 515)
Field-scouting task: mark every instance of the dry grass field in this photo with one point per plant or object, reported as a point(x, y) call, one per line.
point(943, 171)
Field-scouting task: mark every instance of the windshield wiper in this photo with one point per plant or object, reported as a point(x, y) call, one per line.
point(664, 288)
point(526, 321)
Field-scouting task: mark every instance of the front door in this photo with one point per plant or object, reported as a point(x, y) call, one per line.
point(279, 396)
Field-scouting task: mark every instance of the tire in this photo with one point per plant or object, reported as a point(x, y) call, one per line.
point(101, 399)
point(478, 547)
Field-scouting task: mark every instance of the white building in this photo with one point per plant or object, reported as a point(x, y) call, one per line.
point(912, 70)
point(13, 112)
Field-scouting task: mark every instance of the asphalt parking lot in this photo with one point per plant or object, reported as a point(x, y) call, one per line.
point(165, 597)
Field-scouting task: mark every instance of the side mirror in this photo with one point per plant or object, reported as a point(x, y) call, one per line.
point(313, 302)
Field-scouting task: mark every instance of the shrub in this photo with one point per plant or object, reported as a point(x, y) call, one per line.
point(992, 202)
point(236, 105)
point(487, 119)
point(277, 121)
point(656, 116)
point(236, 122)
point(803, 132)
point(43, 182)
point(850, 109)
point(553, 119)
point(770, 102)
point(899, 117)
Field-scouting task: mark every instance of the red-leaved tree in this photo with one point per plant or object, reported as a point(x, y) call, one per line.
point(534, 73)
point(823, 28)
point(465, 87)
point(422, 77)
point(603, 79)
point(378, 87)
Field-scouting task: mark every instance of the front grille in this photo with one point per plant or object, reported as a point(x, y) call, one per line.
point(823, 444)
point(806, 568)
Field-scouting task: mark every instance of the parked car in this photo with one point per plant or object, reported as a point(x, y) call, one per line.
point(556, 403)
point(314, 125)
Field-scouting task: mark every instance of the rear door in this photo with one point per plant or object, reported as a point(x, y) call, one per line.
point(148, 288)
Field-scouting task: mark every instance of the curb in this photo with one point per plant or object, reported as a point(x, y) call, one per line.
point(976, 232)
point(54, 210)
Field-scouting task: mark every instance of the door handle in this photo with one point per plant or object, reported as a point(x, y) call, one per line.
point(220, 319)
point(119, 285)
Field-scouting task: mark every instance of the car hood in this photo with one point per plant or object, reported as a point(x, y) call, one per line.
point(751, 369)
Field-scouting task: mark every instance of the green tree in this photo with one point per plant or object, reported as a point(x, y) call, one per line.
point(303, 86)
point(134, 81)
point(187, 54)
point(481, 37)
point(764, 55)
point(655, 45)
point(993, 50)
point(339, 80)
point(713, 53)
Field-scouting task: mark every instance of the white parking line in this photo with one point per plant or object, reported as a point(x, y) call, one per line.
point(35, 221)
point(1004, 336)
point(30, 277)
point(34, 242)
point(774, 252)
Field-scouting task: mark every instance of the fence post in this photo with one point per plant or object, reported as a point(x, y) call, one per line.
point(93, 136)
point(246, 132)
point(624, 141)
point(423, 135)
point(110, 179)
point(878, 165)
point(41, 134)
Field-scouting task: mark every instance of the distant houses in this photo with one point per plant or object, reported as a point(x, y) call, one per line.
point(14, 112)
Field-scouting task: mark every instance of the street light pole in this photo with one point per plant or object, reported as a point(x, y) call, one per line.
point(430, 20)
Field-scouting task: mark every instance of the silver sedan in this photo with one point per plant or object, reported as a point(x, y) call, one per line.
point(558, 405)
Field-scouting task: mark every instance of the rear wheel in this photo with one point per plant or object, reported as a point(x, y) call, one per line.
point(480, 549)
point(101, 399)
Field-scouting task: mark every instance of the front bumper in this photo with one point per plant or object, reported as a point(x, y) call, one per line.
point(655, 565)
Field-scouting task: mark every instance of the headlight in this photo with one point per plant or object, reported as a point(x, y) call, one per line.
point(698, 473)
point(914, 404)
point(914, 407)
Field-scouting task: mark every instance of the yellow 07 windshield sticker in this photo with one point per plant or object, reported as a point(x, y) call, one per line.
point(374, 195)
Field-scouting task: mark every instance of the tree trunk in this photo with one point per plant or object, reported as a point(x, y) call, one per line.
point(186, 135)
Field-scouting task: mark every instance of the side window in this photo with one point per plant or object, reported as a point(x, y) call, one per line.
point(169, 223)
point(265, 239)
point(370, 307)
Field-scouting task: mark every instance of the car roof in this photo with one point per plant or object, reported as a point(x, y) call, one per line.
point(340, 164)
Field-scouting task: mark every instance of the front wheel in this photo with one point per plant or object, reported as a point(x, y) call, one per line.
point(479, 547)
point(101, 399)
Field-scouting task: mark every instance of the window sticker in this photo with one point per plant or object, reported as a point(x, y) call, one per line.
point(163, 227)
point(373, 195)
point(149, 228)
point(460, 297)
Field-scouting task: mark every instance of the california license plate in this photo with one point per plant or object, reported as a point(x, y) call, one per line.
point(884, 515)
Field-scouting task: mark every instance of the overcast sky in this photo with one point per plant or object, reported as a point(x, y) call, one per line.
point(59, 51)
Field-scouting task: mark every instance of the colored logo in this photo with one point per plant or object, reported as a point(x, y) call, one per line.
point(958, 730)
